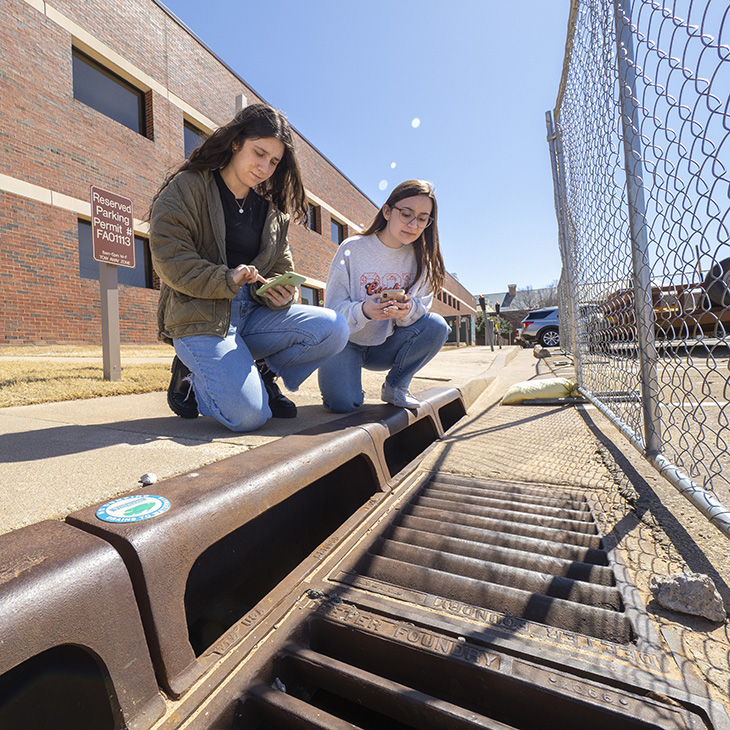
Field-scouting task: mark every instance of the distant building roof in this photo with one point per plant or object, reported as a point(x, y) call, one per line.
point(503, 298)
point(514, 300)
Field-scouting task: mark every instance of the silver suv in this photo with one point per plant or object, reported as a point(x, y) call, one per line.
point(541, 326)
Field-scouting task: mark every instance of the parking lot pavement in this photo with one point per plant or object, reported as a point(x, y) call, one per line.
point(693, 396)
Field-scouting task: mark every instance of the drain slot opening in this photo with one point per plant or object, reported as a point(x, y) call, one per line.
point(235, 573)
point(338, 676)
point(403, 447)
point(62, 688)
point(451, 413)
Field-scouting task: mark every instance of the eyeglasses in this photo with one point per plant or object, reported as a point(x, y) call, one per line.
point(407, 215)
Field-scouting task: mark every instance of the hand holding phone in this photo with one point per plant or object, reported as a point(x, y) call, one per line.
point(387, 304)
point(392, 295)
point(288, 279)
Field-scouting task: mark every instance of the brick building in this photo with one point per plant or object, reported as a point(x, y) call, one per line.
point(86, 99)
point(459, 307)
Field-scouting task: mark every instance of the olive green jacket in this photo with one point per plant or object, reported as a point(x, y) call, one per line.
point(188, 245)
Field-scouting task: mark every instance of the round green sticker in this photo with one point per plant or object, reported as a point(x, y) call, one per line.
point(134, 508)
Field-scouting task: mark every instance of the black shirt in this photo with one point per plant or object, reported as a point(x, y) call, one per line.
point(243, 229)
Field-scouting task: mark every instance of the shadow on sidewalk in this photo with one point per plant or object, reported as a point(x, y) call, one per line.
point(67, 439)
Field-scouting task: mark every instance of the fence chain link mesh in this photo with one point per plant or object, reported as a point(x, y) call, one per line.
point(643, 197)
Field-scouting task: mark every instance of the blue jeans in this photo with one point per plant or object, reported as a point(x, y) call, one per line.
point(292, 341)
point(404, 353)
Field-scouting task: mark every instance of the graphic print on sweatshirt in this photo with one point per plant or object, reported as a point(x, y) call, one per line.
point(372, 283)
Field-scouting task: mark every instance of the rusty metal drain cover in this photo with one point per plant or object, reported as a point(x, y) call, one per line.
point(462, 604)
point(344, 667)
point(477, 546)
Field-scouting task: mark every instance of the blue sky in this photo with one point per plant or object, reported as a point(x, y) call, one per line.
point(353, 75)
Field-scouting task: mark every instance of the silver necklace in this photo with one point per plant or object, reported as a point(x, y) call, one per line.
point(241, 203)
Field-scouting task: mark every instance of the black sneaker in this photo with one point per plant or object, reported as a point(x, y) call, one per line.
point(281, 406)
point(180, 394)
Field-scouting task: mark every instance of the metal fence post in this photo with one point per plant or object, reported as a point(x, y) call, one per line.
point(645, 318)
point(558, 169)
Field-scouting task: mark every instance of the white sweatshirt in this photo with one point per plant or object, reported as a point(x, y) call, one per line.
point(363, 266)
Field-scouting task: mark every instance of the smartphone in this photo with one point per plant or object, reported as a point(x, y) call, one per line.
point(392, 295)
point(287, 279)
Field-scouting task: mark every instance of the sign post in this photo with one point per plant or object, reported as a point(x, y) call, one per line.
point(499, 330)
point(112, 235)
point(488, 326)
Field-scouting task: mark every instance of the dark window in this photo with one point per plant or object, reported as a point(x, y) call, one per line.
point(193, 138)
point(308, 295)
point(108, 93)
point(140, 275)
point(338, 232)
point(313, 217)
point(539, 314)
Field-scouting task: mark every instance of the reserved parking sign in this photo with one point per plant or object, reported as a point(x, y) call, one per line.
point(112, 228)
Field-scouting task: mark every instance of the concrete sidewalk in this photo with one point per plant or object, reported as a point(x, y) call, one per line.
point(60, 457)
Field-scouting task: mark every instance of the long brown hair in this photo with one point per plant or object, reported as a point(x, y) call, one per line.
point(426, 246)
point(256, 121)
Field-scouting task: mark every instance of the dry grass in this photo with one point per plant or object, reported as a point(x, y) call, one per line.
point(58, 373)
point(127, 351)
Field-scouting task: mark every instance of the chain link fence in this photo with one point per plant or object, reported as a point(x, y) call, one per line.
point(640, 145)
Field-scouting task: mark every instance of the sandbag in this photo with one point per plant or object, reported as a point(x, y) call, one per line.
point(545, 388)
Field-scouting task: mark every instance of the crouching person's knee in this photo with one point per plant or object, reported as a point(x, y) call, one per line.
point(342, 403)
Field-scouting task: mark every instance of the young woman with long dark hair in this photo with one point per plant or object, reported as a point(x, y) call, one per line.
point(218, 231)
point(398, 251)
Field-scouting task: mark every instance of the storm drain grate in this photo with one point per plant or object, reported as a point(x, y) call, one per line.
point(349, 668)
point(458, 604)
point(529, 552)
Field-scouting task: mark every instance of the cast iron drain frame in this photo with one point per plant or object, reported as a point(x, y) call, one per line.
point(382, 661)
point(643, 671)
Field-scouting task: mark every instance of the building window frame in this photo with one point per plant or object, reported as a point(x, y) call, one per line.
point(191, 135)
point(141, 276)
point(100, 97)
point(314, 218)
point(338, 231)
point(310, 295)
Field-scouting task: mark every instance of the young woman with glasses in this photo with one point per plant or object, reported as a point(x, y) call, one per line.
point(218, 230)
point(398, 251)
